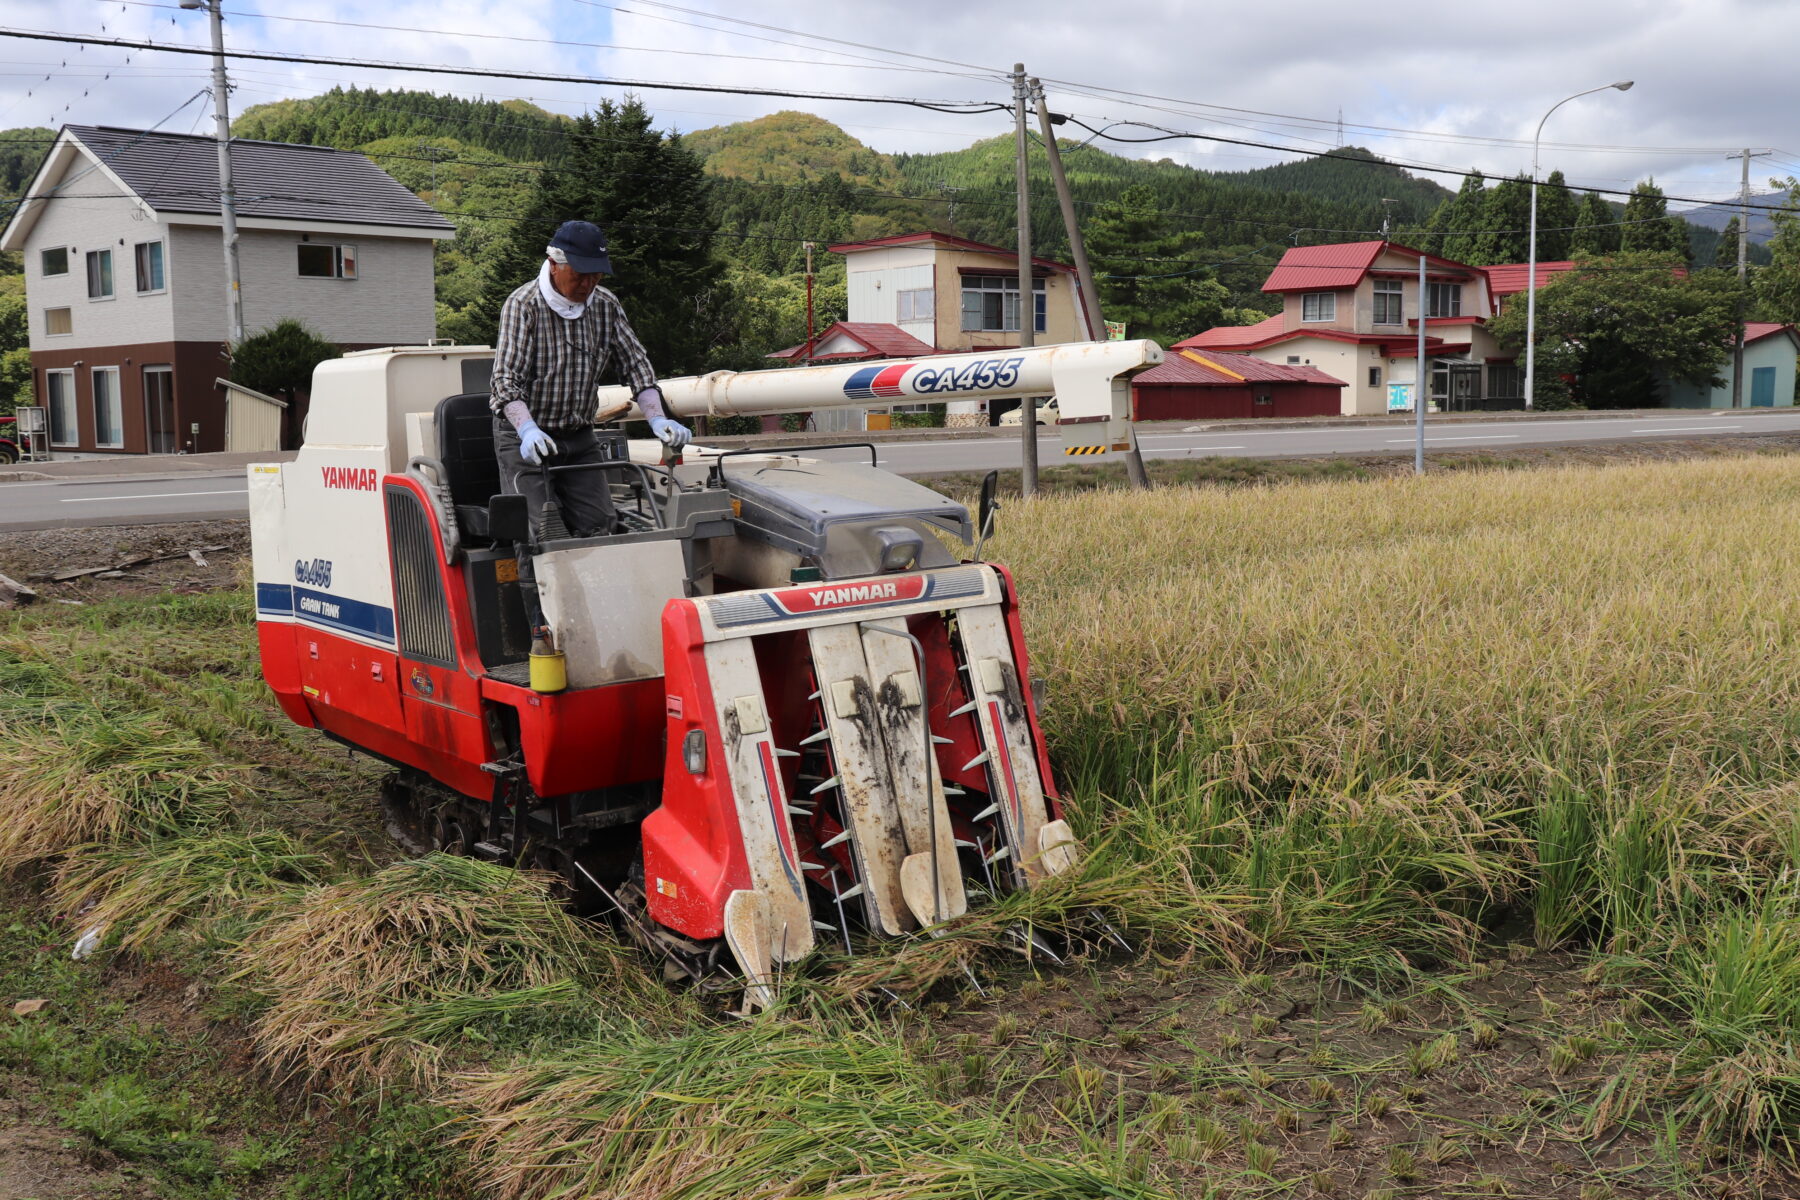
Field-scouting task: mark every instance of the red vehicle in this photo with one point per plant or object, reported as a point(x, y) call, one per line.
point(9, 444)
point(778, 709)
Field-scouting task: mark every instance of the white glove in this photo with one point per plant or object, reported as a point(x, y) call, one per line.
point(534, 444)
point(673, 433)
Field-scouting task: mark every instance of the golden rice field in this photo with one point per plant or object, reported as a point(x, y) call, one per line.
point(1454, 823)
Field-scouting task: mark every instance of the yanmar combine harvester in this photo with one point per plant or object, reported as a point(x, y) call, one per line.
point(790, 713)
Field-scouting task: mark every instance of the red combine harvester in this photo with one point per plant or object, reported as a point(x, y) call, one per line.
point(790, 713)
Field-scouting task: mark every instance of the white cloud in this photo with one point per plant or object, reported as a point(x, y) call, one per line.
point(1711, 75)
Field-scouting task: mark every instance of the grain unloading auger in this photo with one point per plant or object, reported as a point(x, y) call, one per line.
point(791, 714)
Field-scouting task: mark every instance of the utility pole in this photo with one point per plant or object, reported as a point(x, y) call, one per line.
point(1737, 342)
point(1422, 382)
point(234, 295)
point(1028, 458)
point(1084, 274)
point(809, 304)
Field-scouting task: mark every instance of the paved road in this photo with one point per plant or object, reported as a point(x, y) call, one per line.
point(196, 497)
point(924, 457)
point(139, 500)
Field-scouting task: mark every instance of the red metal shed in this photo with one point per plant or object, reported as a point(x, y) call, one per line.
point(1208, 384)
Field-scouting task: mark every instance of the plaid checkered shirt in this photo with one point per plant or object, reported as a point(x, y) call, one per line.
point(554, 365)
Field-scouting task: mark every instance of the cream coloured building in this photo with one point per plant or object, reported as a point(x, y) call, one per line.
point(952, 295)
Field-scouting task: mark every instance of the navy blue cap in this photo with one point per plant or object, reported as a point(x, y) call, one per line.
point(585, 244)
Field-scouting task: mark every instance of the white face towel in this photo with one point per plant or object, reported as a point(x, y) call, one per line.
point(559, 304)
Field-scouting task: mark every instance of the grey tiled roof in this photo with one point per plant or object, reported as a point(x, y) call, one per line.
point(175, 172)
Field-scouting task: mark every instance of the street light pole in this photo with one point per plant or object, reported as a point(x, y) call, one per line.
point(1623, 85)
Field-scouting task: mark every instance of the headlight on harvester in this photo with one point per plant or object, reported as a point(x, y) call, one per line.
point(900, 547)
point(693, 751)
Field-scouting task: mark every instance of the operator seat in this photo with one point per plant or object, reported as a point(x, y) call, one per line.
point(465, 438)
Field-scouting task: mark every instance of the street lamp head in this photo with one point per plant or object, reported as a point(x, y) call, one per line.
point(1624, 85)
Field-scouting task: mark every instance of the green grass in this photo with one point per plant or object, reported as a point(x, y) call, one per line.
point(752, 1112)
point(1341, 731)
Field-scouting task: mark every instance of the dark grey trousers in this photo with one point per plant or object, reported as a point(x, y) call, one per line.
point(583, 496)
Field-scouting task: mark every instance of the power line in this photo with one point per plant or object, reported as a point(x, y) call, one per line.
point(1169, 135)
point(963, 107)
point(1323, 123)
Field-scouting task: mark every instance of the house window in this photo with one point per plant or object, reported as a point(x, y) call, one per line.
point(1318, 306)
point(1387, 302)
point(59, 389)
point(1374, 376)
point(990, 303)
point(917, 304)
point(149, 266)
point(1505, 380)
point(57, 322)
point(55, 261)
point(99, 271)
point(109, 413)
point(1445, 300)
point(320, 260)
point(1293, 360)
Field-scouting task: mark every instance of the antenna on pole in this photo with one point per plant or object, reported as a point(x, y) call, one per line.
point(1386, 215)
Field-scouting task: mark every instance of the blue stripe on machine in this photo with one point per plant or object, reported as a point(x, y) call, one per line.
point(344, 615)
point(275, 599)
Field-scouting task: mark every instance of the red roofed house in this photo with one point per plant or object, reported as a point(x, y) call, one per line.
point(1352, 311)
point(1506, 280)
point(949, 295)
point(1194, 384)
point(853, 341)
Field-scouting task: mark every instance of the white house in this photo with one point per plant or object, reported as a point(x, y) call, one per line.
point(125, 274)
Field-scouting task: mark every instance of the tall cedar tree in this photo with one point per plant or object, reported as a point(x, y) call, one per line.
point(1596, 229)
point(1648, 227)
point(1161, 300)
point(1778, 283)
point(1725, 253)
point(1611, 331)
point(1463, 220)
point(649, 194)
point(1557, 215)
point(1505, 224)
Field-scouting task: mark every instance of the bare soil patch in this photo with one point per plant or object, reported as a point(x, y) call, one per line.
point(33, 556)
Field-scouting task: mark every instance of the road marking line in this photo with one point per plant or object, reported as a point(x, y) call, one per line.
point(152, 496)
point(1188, 449)
point(1484, 437)
point(1685, 428)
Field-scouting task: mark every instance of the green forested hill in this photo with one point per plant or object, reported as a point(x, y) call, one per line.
point(1339, 181)
point(349, 117)
point(791, 147)
point(20, 152)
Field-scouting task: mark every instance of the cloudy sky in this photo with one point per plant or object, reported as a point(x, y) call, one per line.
point(1424, 83)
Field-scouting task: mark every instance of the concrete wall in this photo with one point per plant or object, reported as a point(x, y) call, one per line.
point(391, 302)
point(80, 224)
point(1776, 353)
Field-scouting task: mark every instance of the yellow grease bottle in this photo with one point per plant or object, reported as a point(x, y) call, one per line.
point(549, 670)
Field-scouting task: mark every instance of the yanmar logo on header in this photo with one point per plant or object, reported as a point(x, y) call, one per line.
point(355, 479)
point(850, 595)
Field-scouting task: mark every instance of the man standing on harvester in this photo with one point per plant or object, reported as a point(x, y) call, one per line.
point(557, 334)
